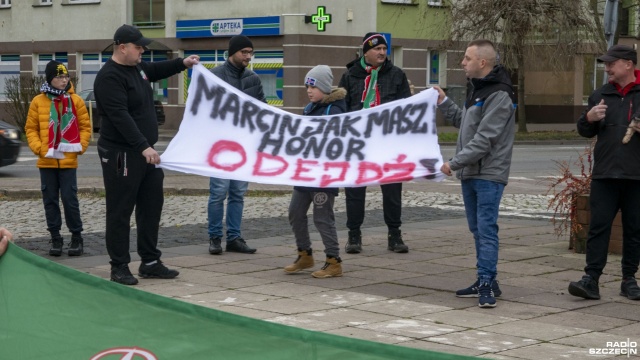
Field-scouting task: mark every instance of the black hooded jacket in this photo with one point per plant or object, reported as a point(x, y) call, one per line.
point(392, 84)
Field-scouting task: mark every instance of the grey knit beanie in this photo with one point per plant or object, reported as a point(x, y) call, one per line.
point(320, 77)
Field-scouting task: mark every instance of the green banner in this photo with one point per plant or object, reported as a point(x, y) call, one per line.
point(49, 311)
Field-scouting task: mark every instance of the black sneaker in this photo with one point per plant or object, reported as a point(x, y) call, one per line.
point(586, 288)
point(395, 242)
point(214, 245)
point(472, 291)
point(76, 248)
point(486, 298)
point(239, 245)
point(56, 245)
point(630, 289)
point(122, 275)
point(354, 243)
point(156, 271)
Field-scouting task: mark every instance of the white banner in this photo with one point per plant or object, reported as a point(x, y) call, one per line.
point(227, 134)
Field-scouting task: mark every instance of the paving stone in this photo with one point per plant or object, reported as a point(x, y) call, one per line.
point(441, 348)
point(286, 306)
point(284, 289)
point(588, 321)
point(390, 290)
point(343, 317)
point(341, 298)
point(614, 309)
point(401, 308)
point(483, 340)
point(549, 351)
point(370, 335)
point(303, 323)
point(411, 328)
point(535, 330)
point(596, 339)
point(465, 319)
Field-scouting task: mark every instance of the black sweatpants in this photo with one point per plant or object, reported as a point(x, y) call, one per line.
point(391, 205)
point(129, 183)
point(607, 197)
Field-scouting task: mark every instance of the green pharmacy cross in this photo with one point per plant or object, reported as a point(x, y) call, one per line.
point(320, 19)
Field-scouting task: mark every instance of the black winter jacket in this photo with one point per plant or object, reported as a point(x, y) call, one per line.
point(330, 105)
point(612, 158)
point(244, 80)
point(125, 100)
point(392, 84)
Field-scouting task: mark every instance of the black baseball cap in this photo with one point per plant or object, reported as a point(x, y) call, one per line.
point(619, 52)
point(130, 34)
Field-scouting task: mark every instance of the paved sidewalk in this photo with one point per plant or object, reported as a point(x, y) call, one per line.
point(404, 299)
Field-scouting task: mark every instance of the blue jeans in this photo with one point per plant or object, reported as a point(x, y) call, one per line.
point(218, 190)
point(482, 203)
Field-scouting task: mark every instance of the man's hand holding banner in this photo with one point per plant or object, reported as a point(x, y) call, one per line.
point(227, 134)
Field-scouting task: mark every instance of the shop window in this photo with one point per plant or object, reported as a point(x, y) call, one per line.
point(9, 68)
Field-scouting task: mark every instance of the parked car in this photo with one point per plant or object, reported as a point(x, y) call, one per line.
point(89, 98)
point(9, 143)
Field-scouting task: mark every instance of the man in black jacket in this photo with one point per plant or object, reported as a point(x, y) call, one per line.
point(128, 131)
point(372, 80)
point(615, 179)
point(234, 72)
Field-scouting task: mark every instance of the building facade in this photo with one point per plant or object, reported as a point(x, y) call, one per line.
point(289, 36)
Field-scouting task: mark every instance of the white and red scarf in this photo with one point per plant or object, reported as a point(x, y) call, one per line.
point(64, 133)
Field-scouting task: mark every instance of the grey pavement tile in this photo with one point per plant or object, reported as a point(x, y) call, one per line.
point(516, 254)
point(284, 289)
point(193, 261)
point(585, 321)
point(547, 249)
point(341, 298)
point(286, 306)
point(627, 330)
point(428, 268)
point(401, 308)
point(390, 290)
point(596, 339)
point(338, 283)
point(550, 351)
point(412, 328)
point(447, 299)
point(618, 310)
point(187, 249)
point(561, 262)
point(518, 310)
point(522, 268)
point(377, 261)
point(239, 267)
point(252, 313)
point(540, 282)
point(535, 330)
point(457, 249)
point(380, 274)
point(466, 260)
point(288, 250)
point(342, 317)
point(231, 281)
point(442, 348)
point(82, 261)
point(483, 340)
point(177, 288)
point(303, 322)
point(370, 335)
point(523, 240)
point(438, 282)
point(561, 300)
point(274, 262)
point(226, 297)
point(465, 319)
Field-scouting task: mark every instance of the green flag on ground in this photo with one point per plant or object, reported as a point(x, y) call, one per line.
point(49, 311)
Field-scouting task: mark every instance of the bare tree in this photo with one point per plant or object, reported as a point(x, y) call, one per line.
point(20, 91)
point(550, 31)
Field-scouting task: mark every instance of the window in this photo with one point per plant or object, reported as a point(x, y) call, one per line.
point(148, 13)
point(9, 68)
point(43, 59)
point(160, 87)
point(42, 2)
point(78, 2)
point(5, 4)
point(433, 76)
point(435, 3)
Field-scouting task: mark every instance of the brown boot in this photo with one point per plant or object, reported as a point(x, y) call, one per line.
point(304, 261)
point(332, 268)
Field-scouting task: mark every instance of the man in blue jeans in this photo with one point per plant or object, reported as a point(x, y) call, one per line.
point(483, 157)
point(234, 71)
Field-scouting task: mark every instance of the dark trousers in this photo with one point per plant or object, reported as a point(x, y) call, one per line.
point(607, 197)
point(56, 184)
point(129, 182)
point(323, 218)
point(391, 205)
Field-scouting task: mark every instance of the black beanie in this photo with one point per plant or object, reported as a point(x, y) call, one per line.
point(238, 43)
point(372, 40)
point(53, 69)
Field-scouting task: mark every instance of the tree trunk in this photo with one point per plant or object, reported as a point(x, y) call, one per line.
point(522, 117)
